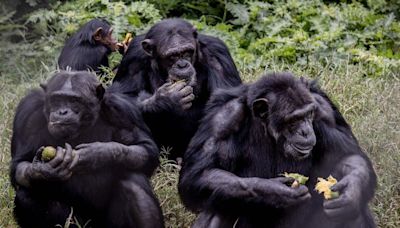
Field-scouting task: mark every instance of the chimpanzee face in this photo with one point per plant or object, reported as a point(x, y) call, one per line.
point(72, 104)
point(289, 117)
point(105, 37)
point(174, 50)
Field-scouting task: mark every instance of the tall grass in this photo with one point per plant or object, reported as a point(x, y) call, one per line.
point(370, 105)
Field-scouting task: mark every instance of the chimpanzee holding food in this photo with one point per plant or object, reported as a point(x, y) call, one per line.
point(173, 70)
point(252, 135)
point(97, 160)
point(90, 46)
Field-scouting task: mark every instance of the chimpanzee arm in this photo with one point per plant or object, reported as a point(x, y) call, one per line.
point(29, 134)
point(131, 148)
point(141, 155)
point(352, 168)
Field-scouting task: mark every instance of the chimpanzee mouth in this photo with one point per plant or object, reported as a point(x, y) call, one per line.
point(188, 80)
point(302, 150)
point(61, 123)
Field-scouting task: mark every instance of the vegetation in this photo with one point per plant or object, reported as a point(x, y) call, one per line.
point(351, 47)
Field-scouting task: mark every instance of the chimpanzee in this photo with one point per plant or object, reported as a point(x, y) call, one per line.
point(172, 70)
point(89, 47)
point(253, 134)
point(104, 157)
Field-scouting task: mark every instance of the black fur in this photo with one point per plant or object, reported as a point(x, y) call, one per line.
point(138, 72)
point(109, 195)
point(82, 52)
point(244, 154)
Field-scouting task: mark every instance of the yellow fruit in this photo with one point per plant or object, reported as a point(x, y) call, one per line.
point(48, 153)
point(324, 186)
point(298, 179)
point(128, 38)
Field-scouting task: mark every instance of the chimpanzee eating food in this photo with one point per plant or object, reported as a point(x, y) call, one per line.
point(89, 47)
point(251, 136)
point(173, 70)
point(103, 160)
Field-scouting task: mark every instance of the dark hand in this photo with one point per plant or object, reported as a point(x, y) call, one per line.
point(347, 205)
point(280, 195)
point(94, 155)
point(59, 168)
point(178, 94)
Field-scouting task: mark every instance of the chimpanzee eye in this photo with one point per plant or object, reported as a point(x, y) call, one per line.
point(187, 55)
point(173, 58)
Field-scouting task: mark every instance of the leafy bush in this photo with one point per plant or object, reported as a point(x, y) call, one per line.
point(308, 31)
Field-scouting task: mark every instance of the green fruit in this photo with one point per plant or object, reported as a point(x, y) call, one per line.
point(48, 153)
point(300, 179)
point(334, 195)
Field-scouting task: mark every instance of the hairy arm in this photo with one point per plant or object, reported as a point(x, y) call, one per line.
point(29, 135)
point(140, 154)
point(132, 147)
point(356, 176)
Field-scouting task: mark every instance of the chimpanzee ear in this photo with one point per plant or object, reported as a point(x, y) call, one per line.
point(147, 45)
point(97, 34)
point(43, 86)
point(260, 108)
point(100, 91)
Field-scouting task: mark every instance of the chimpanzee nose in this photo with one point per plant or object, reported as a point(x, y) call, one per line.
point(63, 112)
point(182, 64)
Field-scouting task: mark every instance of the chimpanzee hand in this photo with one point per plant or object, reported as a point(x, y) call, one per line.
point(347, 205)
point(91, 156)
point(56, 169)
point(176, 94)
point(278, 194)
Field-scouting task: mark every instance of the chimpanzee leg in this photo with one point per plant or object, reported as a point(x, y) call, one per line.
point(134, 204)
point(32, 211)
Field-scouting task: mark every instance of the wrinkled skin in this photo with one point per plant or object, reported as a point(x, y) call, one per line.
point(252, 135)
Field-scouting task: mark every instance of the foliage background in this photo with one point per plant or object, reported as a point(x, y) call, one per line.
point(352, 47)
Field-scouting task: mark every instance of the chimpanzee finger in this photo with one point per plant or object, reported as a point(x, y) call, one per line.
point(304, 197)
point(187, 99)
point(38, 154)
point(167, 84)
point(186, 91)
point(339, 186)
point(177, 86)
point(81, 146)
point(301, 191)
point(59, 158)
point(335, 203)
point(68, 157)
point(186, 106)
point(75, 159)
point(284, 180)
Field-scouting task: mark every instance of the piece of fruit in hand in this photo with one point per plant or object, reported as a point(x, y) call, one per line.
point(298, 179)
point(48, 153)
point(128, 38)
point(324, 186)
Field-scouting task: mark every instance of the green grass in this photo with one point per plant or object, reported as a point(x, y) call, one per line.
point(370, 105)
